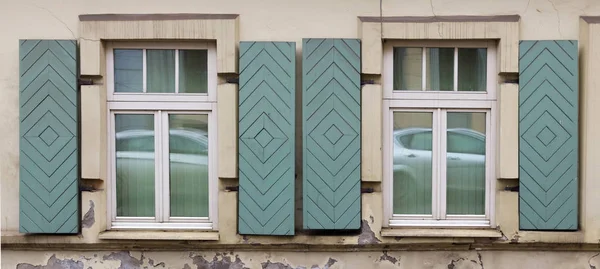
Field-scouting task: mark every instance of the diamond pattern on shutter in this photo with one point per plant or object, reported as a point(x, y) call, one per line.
point(266, 138)
point(48, 189)
point(331, 138)
point(548, 150)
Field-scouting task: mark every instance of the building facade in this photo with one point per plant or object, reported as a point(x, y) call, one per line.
point(304, 134)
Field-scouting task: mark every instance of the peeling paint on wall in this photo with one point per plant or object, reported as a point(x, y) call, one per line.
point(473, 259)
point(219, 261)
point(278, 265)
point(387, 257)
point(127, 261)
point(89, 218)
point(54, 263)
point(367, 236)
point(465, 263)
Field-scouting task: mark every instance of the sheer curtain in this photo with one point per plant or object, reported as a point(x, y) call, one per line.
point(188, 165)
point(408, 70)
point(160, 71)
point(193, 71)
point(134, 145)
point(465, 163)
point(128, 70)
point(472, 69)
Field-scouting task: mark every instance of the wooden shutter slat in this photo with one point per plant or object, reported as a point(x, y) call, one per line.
point(48, 189)
point(331, 133)
point(266, 138)
point(548, 130)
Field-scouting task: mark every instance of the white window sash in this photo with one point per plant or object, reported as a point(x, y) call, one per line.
point(162, 219)
point(169, 97)
point(439, 218)
point(423, 94)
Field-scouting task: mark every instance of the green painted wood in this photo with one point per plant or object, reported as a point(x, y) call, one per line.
point(331, 133)
point(548, 130)
point(48, 189)
point(266, 138)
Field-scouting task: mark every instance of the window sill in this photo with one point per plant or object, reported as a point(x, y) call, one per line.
point(424, 232)
point(159, 235)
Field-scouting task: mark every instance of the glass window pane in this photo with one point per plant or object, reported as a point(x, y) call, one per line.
point(440, 69)
point(134, 137)
point(160, 74)
point(465, 169)
point(412, 162)
point(188, 165)
point(472, 69)
point(193, 67)
point(128, 70)
point(408, 69)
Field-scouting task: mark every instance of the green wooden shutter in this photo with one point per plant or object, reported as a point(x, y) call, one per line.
point(331, 133)
point(48, 189)
point(548, 103)
point(266, 138)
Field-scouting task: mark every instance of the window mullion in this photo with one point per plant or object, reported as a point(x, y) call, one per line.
point(424, 70)
point(455, 69)
point(165, 176)
point(176, 71)
point(157, 168)
point(144, 71)
point(442, 134)
point(434, 165)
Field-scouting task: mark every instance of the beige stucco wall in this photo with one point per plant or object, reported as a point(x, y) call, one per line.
point(271, 20)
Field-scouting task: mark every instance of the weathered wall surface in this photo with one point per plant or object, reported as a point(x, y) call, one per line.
point(298, 260)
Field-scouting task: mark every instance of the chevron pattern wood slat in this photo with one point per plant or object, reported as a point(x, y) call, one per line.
point(48, 189)
point(266, 138)
point(548, 151)
point(331, 133)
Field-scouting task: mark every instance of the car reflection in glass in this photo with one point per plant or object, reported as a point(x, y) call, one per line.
point(188, 160)
point(465, 164)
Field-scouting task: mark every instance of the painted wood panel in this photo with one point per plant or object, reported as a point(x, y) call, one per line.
point(331, 133)
point(266, 138)
point(548, 130)
point(48, 98)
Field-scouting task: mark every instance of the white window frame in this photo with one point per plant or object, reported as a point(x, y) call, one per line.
point(439, 103)
point(161, 105)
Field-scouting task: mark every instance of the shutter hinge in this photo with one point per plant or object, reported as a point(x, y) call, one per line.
point(232, 188)
point(367, 190)
point(512, 188)
point(85, 81)
point(233, 80)
point(367, 81)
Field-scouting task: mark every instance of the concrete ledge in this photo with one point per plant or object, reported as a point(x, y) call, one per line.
point(156, 235)
point(472, 233)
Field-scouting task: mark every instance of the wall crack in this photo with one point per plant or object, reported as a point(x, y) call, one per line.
point(55, 17)
point(557, 17)
point(590, 261)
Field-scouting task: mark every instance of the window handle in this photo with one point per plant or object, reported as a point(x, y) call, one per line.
point(411, 155)
point(454, 158)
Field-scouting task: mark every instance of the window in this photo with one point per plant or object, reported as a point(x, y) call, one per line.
point(439, 121)
point(162, 142)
